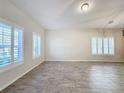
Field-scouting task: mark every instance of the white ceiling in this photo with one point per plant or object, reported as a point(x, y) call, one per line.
point(65, 14)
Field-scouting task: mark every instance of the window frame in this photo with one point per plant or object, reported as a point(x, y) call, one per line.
point(13, 64)
point(38, 54)
point(103, 54)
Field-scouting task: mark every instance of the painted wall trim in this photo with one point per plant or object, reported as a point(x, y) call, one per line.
point(9, 83)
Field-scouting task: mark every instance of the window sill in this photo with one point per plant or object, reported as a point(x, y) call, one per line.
point(10, 66)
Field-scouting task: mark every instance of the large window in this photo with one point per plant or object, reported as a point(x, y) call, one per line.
point(36, 45)
point(103, 46)
point(11, 44)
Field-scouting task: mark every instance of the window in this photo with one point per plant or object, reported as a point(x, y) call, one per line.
point(111, 45)
point(18, 45)
point(106, 46)
point(94, 45)
point(103, 46)
point(36, 45)
point(11, 45)
point(99, 45)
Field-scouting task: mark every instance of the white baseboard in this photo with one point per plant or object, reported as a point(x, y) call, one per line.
point(15, 79)
point(85, 60)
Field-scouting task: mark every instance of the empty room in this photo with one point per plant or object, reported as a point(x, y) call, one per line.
point(61, 46)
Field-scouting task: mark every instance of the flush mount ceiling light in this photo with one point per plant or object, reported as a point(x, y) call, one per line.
point(84, 7)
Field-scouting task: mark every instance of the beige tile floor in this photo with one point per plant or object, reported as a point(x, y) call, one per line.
point(71, 77)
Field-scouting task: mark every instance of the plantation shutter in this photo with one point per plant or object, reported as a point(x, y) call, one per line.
point(11, 44)
point(36, 45)
point(18, 45)
point(5, 44)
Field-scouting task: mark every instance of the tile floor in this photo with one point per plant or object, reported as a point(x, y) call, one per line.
point(71, 77)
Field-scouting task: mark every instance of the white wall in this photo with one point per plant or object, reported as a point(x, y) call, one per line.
point(75, 45)
point(14, 15)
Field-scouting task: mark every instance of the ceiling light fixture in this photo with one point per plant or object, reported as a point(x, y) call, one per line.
point(84, 7)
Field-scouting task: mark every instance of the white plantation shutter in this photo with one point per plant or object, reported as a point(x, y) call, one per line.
point(103, 46)
point(36, 45)
point(99, 44)
point(106, 46)
point(18, 45)
point(5, 44)
point(11, 44)
point(111, 46)
point(39, 46)
point(94, 45)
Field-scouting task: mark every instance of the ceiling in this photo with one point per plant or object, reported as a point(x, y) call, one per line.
point(65, 14)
